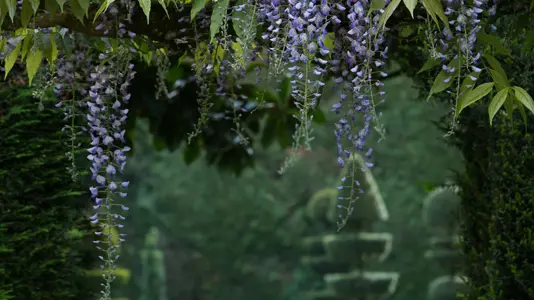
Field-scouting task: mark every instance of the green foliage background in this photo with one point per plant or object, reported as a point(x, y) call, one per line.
point(237, 238)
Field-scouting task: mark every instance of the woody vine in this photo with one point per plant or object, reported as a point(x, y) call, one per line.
point(86, 50)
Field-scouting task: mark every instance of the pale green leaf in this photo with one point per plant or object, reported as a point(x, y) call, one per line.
point(103, 8)
point(162, 3)
point(468, 83)
point(441, 83)
point(473, 96)
point(145, 6)
point(388, 12)
point(510, 106)
point(11, 58)
point(444, 80)
point(410, 5)
point(496, 103)
point(35, 4)
point(430, 11)
point(496, 65)
point(26, 13)
point(198, 5)
point(33, 61)
point(78, 10)
point(429, 64)
point(501, 82)
point(435, 8)
point(524, 98)
point(11, 8)
point(217, 17)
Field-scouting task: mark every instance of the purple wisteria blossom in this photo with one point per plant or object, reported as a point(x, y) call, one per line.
point(358, 56)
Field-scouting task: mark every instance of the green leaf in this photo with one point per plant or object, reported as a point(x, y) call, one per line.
point(500, 81)
point(496, 103)
point(26, 46)
point(198, 5)
point(102, 8)
point(3, 12)
point(217, 17)
point(523, 116)
point(11, 8)
point(439, 84)
point(491, 40)
point(473, 96)
point(388, 12)
point(162, 3)
point(11, 58)
point(511, 105)
point(35, 4)
point(145, 6)
point(78, 11)
point(524, 98)
point(84, 4)
point(429, 64)
point(377, 5)
point(49, 47)
point(410, 5)
point(494, 63)
point(61, 3)
point(26, 13)
point(435, 8)
point(468, 84)
point(33, 61)
point(52, 6)
point(329, 40)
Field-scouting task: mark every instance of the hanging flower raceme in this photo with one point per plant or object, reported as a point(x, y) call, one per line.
point(357, 58)
point(460, 40)
point(106, 120)
point(67, 88)
point(271, 14)
point(305, 53)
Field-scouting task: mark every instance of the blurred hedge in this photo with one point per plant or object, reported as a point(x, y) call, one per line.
point(42, 227)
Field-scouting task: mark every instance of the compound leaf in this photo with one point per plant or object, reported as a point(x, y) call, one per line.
point(473, 96)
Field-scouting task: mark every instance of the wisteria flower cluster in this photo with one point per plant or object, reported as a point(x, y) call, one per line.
point(103, 104)
point(359, 66)
point(462, 55)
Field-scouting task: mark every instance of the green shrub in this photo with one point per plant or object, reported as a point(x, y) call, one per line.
point(42, 227)
point(497, 191)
